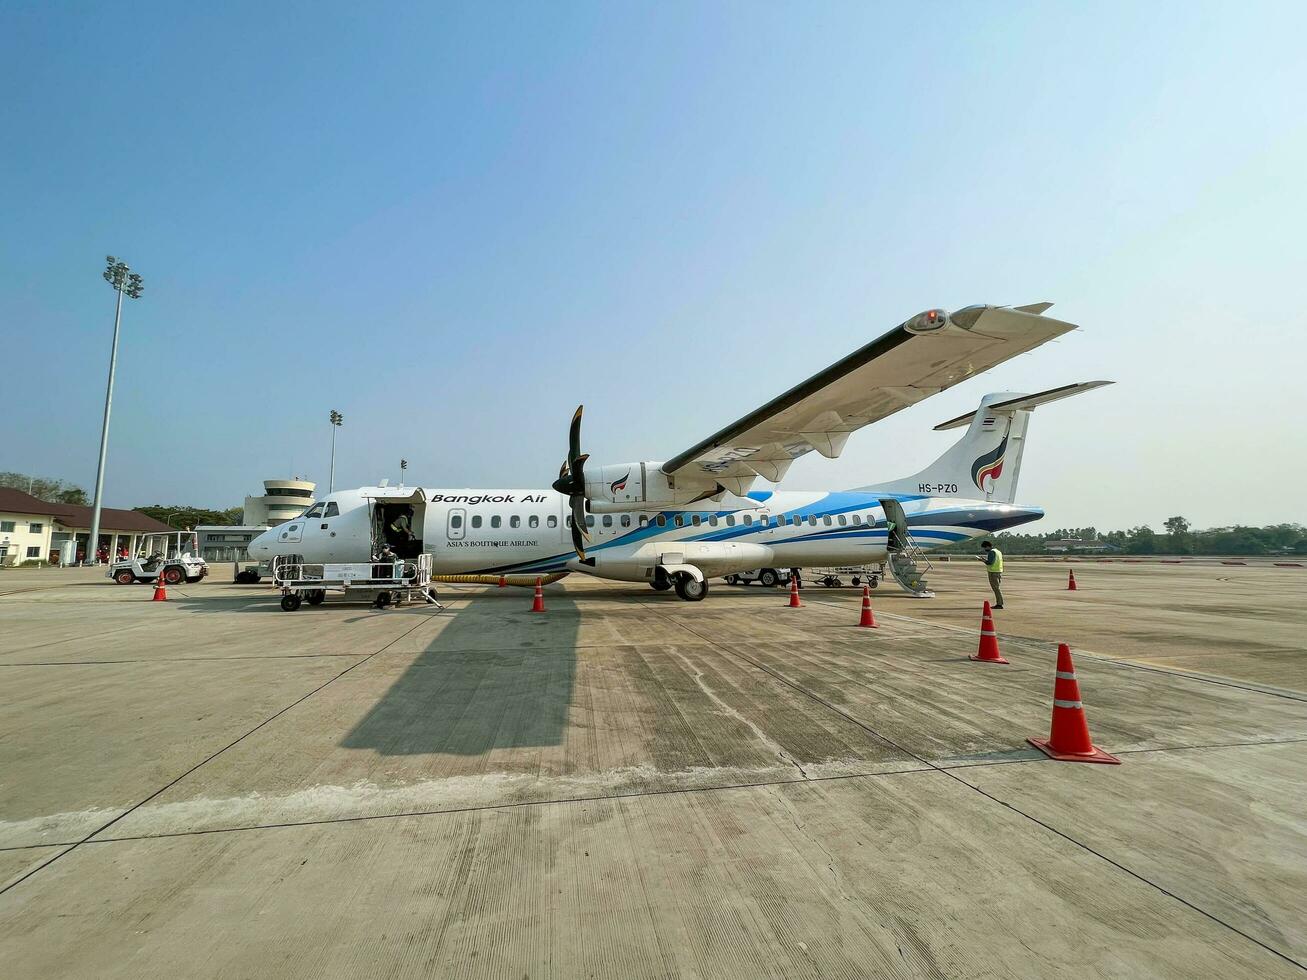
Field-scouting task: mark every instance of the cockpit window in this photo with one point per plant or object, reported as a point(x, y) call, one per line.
point(315, 510)
point(333, 510)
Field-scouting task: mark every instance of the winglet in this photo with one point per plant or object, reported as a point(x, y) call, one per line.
point(1033, 308)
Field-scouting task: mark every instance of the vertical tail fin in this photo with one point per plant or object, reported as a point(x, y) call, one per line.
point(986, 461)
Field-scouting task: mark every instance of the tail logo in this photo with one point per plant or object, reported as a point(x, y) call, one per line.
point(621, 483)
point(989, 466)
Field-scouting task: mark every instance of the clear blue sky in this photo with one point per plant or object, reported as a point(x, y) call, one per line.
point(455, 224)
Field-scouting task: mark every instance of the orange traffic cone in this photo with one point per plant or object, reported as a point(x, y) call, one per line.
point(1071, 580)
point(988, 651)
point(1068, 739)
point(868, 617)
point(538, 604)
point(794, 593)
point(160, 592)
point(503, 582)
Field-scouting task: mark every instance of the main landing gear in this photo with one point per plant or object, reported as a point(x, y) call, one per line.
point(687, 587)
point(691, 589)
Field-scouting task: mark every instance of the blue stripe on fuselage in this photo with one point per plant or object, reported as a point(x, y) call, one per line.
point(978, 515)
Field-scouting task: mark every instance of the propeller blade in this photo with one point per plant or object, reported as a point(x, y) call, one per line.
point(574, 436)
point(577, 543)
point(578, 514)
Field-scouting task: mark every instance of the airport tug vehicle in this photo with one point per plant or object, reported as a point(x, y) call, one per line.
point(183, 567)
point(383, 583)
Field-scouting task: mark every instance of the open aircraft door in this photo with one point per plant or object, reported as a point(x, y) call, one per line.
point(398, 519)
point(907, 563)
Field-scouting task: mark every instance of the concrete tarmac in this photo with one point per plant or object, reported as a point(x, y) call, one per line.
point(634, 786)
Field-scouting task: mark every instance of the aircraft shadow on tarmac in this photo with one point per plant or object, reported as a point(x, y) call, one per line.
point(470, 692)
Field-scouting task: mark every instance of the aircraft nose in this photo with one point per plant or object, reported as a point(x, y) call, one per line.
point(258, 546)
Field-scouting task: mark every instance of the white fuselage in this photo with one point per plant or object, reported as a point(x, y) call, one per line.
point(526, 531)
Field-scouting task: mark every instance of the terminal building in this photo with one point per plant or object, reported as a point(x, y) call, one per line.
point(36, 530)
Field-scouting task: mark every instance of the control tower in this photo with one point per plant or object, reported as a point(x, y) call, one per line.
point(282, 500)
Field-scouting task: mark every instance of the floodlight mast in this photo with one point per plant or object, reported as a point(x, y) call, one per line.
point(125, 282)
point(336, 420)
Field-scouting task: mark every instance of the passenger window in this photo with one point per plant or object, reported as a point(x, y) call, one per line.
point(748, 518)
point(730, 520)
point(796, 520)
point(569, 521)
point(476, 520)
point(662, 520)
point(857, 519)
point(843, 520)
point(826, 520)
point(712, 521)
point(314, 511)
point(696, 520)
point(680, 521)
point(496, 521)
point(608, 520)
point(515, 521)
point(644, 520)
point(812, 520)
point(332, 510)
point(551, 520)
point(626, 520)
point(455, 521)
point(589, 520)
point(533, 521)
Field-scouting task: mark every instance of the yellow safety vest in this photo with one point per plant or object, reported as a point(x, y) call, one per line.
point(997, 567)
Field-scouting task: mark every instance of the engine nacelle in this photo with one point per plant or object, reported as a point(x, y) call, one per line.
point(640, 486)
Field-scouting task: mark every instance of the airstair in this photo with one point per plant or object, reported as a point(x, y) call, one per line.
point(906, 559)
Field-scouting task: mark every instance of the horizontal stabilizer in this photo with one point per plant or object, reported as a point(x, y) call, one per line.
point(1026, 402)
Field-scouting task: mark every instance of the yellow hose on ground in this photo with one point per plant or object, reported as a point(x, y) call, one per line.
point(526, 581)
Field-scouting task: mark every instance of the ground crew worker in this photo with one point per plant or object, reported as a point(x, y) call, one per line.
point(993, 559)
point(402, 526)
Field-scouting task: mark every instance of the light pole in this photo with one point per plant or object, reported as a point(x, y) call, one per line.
point(336, 419)
point(403, 465)
point(124, 282)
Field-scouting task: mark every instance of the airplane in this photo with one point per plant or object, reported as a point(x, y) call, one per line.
point(675, 524)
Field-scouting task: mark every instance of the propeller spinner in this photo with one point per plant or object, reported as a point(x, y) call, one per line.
point(571, 481)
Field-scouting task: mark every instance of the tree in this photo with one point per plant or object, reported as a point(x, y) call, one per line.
point(1141, 540)
point(45, 488)
point(182, 516)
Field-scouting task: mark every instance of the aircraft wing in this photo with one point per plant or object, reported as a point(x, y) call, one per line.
point(918, 358)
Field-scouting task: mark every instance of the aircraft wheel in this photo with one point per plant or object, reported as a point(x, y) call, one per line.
point(290, 602)
point(769, 578)
point(690, 589)
point(317, 597)
point(660, 585)
point(124, 578)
